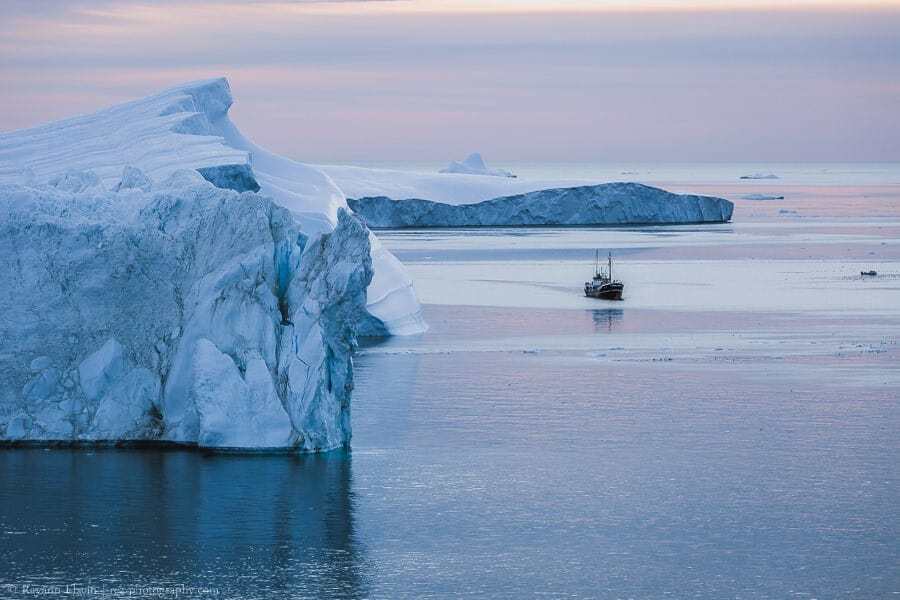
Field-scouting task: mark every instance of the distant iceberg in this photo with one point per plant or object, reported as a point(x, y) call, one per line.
point(762, 197)
point(604, 204)
point(760, 176)
point(474, 165)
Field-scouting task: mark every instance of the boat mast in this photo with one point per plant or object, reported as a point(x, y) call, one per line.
point(610, 266)
point(596, 262)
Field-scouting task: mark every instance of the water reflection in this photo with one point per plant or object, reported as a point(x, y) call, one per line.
point(243, 524)
point(607, 320)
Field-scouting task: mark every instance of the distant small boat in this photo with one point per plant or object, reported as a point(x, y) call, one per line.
point(602, 285)
point(872, 273)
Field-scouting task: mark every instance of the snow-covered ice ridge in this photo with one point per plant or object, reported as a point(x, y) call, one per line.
point(604, 204)
point(187, 127)
point(175, 311)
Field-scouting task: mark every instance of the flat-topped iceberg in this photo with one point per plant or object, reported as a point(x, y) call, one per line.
point(183, 312)
point(474, 165)
point(762, 197)
point(604, 204)
point(390, 198)
point(187, 127)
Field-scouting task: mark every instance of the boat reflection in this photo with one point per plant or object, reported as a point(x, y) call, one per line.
point(608, 319)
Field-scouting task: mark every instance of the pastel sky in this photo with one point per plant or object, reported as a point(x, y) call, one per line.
point(577, 80)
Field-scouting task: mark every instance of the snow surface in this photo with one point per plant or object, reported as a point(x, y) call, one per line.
point(605, 204)
point(184, 313)
point(187, 127)
point(474, 165)
point(361, 182)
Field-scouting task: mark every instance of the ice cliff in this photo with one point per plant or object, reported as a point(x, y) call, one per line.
point(175, 311)
point(474, 165)
point(187, 127)
point(604, 204)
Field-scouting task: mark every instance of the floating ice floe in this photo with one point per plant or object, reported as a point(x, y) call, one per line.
point(760, 176)
point(762, 197)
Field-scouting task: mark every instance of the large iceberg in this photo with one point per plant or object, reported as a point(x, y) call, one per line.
point(187, 127)
point(167, 280)
point(604, 204)
point(391, 198)
point(183, 313)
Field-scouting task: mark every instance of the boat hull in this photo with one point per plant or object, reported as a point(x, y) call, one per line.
point(605, 292)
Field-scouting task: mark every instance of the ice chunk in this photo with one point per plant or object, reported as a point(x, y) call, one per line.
point(126, 411)
point(18, 428)
point(75, 181)
point(234, 412)
point(133, 178)
point(233, 177)
point(183, 178)
point(101, 368)
point(40, 363)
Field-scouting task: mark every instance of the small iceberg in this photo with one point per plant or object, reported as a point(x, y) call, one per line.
point(762, 197)
point(474, 165)
point(760, 176)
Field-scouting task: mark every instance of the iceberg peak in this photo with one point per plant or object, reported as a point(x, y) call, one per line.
point(187, 127)
point(474, 165)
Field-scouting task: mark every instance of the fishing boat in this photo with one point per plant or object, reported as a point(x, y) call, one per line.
point(602, 285)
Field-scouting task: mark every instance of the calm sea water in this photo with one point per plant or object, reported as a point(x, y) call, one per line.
point(728, 431)
point(694, 173)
